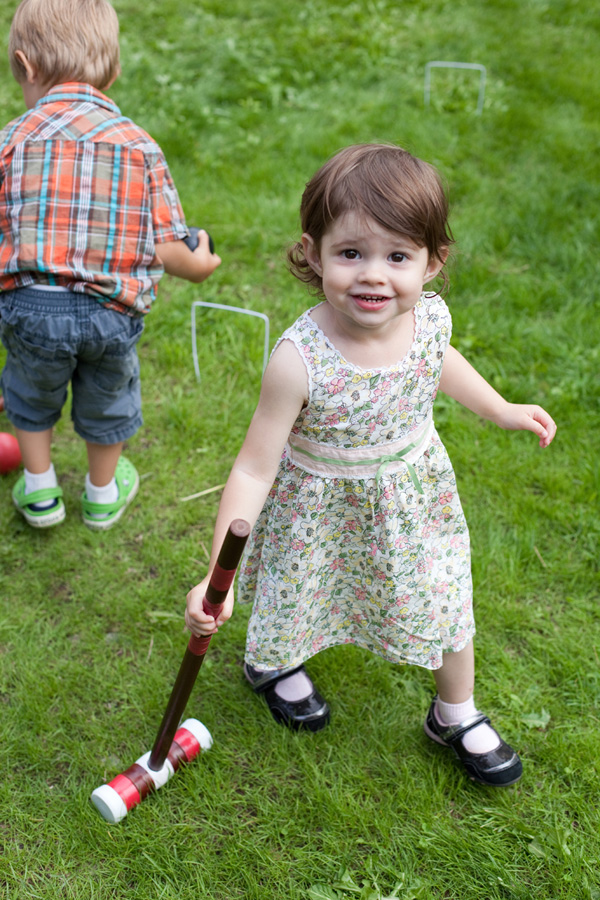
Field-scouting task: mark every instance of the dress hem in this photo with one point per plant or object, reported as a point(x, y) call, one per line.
point(256, 662)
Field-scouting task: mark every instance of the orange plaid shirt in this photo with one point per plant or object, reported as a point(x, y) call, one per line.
point(85, 196)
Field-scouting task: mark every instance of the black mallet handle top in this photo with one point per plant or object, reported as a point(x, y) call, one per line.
point(193, 240)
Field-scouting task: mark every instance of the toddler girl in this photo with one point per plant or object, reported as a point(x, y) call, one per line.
point(359, 536)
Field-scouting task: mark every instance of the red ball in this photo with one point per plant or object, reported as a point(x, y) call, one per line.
point(10, 455)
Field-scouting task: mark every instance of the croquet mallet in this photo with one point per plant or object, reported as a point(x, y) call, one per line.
point(174, 747)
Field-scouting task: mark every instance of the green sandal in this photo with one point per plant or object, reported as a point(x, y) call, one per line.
point(39, 518)
point(128, 482)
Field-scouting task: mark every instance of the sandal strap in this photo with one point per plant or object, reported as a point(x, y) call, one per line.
point(270, 678)
point(54, 493)
point(453, 734)
point(92, 508)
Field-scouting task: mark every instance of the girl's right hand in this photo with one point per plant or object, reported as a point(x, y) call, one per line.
point(196, 619)
point(283, 393)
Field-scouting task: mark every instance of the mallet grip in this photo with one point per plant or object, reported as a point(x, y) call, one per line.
point(221, 579)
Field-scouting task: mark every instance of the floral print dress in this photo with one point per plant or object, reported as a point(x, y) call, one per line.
point(362, 539)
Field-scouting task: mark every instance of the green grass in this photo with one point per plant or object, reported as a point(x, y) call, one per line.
point(247, 101)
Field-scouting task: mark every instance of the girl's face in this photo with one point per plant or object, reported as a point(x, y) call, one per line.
point(370, 275)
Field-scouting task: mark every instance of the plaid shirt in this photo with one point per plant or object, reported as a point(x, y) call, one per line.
point(84, 197)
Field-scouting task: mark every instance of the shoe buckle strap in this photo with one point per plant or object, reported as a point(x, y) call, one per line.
point(453, 733)
point(270, 678)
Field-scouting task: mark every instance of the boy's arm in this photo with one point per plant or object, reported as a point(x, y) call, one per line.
point(463, 383)
point(283, 393)
point(179, 260)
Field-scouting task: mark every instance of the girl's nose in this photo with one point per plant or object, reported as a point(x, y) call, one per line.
point(372, 272)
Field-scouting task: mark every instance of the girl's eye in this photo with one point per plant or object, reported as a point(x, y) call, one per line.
point(398, 257)
point(350, 254)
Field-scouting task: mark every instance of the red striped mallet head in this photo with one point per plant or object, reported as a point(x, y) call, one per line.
point(114, 800)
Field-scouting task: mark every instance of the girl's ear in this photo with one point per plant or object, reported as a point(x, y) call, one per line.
point(311, 254)
point(435, 265)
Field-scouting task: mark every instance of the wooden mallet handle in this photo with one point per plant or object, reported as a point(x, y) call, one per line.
point(216, 594)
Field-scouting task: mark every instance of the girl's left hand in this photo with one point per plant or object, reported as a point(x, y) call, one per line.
point(527, 417)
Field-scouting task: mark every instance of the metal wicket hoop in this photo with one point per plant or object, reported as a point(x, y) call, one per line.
point(437, 64)
point(231, 309)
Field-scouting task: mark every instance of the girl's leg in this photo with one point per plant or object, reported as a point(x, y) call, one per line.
point(292, 697)
point(453, 720)
point(455, 682)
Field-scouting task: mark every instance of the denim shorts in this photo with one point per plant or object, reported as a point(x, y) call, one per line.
point(56, 337)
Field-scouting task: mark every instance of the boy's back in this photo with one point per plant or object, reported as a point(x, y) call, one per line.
point(85, 195)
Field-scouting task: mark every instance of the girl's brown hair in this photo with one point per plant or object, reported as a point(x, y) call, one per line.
point(383, 182)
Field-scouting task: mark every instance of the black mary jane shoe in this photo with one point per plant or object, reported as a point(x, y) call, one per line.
point(496, 768)
point(311, 713)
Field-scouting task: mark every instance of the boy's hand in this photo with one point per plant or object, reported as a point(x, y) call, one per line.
point(196, 619)
point(207, 259)
point(527, 417)
point(195, 266)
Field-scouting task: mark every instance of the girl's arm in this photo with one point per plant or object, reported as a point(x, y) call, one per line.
point(179, 260)
point(463, 383)
point(283, 393)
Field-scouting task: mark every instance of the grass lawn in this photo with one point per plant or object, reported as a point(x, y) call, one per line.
point(247, 101)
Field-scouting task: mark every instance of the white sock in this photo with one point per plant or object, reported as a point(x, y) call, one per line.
point(38, 483)
point(294, 687)
point(107, 494)
point(481, 739)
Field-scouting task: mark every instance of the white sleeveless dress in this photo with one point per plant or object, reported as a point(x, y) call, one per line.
point(362, 539)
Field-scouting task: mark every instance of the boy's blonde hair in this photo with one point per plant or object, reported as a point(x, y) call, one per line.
point(66, 40)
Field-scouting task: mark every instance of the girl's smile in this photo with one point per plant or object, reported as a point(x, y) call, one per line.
point(368, 302)
point(371, 276)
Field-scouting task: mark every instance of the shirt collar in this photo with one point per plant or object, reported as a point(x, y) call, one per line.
point(79, 92)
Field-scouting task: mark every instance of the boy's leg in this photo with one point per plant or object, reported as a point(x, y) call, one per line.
point(453, 720)
point(35, 449)
point(110, 485)
point(35, 328)
point(102, 460)
point(36, 493)
point(106, 412)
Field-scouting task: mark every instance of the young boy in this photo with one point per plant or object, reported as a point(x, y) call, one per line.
point(89, 220)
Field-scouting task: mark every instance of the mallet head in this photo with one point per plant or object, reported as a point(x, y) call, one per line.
point(114, 800)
